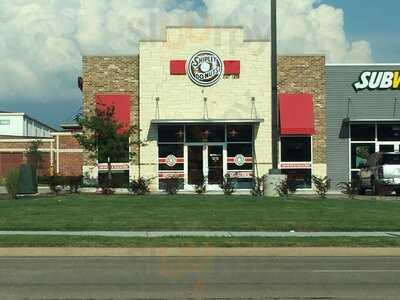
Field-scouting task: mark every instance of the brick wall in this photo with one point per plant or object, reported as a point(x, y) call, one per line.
point(13, 154)
point(69, 152)
point(110, 74)
point(9, 161)
point(306, 74)
point(71, 164)
point(70, 155)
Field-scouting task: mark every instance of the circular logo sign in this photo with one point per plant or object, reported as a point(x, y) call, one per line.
point(170, 160)
point(239, 160)
point(204, 68)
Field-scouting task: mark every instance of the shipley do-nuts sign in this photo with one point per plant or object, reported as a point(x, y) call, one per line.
point(204, 68)
point(378, 80)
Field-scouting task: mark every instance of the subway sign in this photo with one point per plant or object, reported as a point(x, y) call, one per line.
point(378, 80)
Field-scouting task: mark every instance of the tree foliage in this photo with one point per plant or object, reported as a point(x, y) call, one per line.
point(34, 155)
point(106, 139)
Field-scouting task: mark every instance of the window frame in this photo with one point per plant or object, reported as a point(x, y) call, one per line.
point(298, 162)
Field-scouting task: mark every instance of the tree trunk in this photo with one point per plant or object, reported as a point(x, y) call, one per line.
point(109, 177)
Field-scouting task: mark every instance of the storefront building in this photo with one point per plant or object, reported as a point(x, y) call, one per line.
point(202, 100)
point(363, 115)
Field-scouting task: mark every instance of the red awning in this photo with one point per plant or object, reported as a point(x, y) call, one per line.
point(296, 114)
point(122, 106)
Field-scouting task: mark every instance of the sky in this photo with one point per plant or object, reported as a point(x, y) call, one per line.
point(42, 41)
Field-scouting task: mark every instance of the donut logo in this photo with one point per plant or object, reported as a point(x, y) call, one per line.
point(239, 160)
point(204, 68)
point(170, 160)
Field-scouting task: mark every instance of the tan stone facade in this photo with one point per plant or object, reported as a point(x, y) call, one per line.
point(167, 97)
point(306, 74)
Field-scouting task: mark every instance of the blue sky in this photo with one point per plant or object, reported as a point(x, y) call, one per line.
point(375, 21)
point(42, 41)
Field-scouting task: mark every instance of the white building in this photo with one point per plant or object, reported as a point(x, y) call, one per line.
point(20, 124)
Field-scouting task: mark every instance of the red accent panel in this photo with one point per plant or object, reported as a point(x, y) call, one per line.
point(296, 114)
point(177, 67)
point(122, 106)
point(232, 67)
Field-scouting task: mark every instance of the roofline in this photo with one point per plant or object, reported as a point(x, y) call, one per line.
point(110, 55)
point(360, 65)
point(302, 54)
point(28, 117)
point(206, 27)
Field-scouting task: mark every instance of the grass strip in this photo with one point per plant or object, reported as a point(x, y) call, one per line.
point(91, 241)
point(197, 212)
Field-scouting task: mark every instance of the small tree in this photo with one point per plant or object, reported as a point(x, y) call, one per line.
point(12, 183)
point(34, 155)
point(322, 185)
point(105, 138)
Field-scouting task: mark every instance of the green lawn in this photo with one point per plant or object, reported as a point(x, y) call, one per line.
point(194, 212)
point(79, 241)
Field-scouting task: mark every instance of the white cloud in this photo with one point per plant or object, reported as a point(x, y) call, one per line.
point(42, 40)
point(304, 27)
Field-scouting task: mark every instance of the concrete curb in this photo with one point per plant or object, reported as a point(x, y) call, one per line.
point(196, 252)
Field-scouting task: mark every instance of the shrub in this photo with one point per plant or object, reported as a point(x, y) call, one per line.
point(12, 183)
point(349, 188)
point(140, 186)
point(74, 183)
point(172, 184)
point(228, 185)
point(52, 181)
point(286, 187)
point(258, 186)
point(322, 186)
point(55, 181)
point(200, 186)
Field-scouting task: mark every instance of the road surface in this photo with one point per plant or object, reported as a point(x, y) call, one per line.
point(103, 278)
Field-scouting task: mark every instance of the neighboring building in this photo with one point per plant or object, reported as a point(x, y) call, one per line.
point(20, 124)
point(363, 115)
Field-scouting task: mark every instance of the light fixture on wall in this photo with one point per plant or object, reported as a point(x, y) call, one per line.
point(157, 108)
point(205, 112)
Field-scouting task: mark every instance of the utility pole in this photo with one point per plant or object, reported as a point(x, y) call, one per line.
point(274, 94)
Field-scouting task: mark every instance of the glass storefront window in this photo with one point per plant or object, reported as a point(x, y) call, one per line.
point(389, 132)
point(170, 157)
point(119, 179)
point(362, 132)
point(295, 149)
point(240, 156)
point(205, 133)
point(239, 133)
point(171, 133)
point(300, 177)
point(360, 154)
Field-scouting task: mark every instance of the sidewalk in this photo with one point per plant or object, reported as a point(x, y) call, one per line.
point(196, 252)
point(150, 234)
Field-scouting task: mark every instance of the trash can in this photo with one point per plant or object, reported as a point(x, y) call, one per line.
point(27, 180)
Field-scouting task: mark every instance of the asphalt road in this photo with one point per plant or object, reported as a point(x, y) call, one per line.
point(203, 277)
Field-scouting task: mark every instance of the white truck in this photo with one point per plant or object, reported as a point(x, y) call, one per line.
point(381, 174)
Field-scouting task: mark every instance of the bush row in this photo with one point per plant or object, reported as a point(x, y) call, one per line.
point(54, 181)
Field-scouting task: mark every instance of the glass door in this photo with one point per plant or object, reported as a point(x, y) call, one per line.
point(195, 173)
point(215, 159)
point(205, 163)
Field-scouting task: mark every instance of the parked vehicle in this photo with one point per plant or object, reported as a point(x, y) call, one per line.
point(381, 174)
